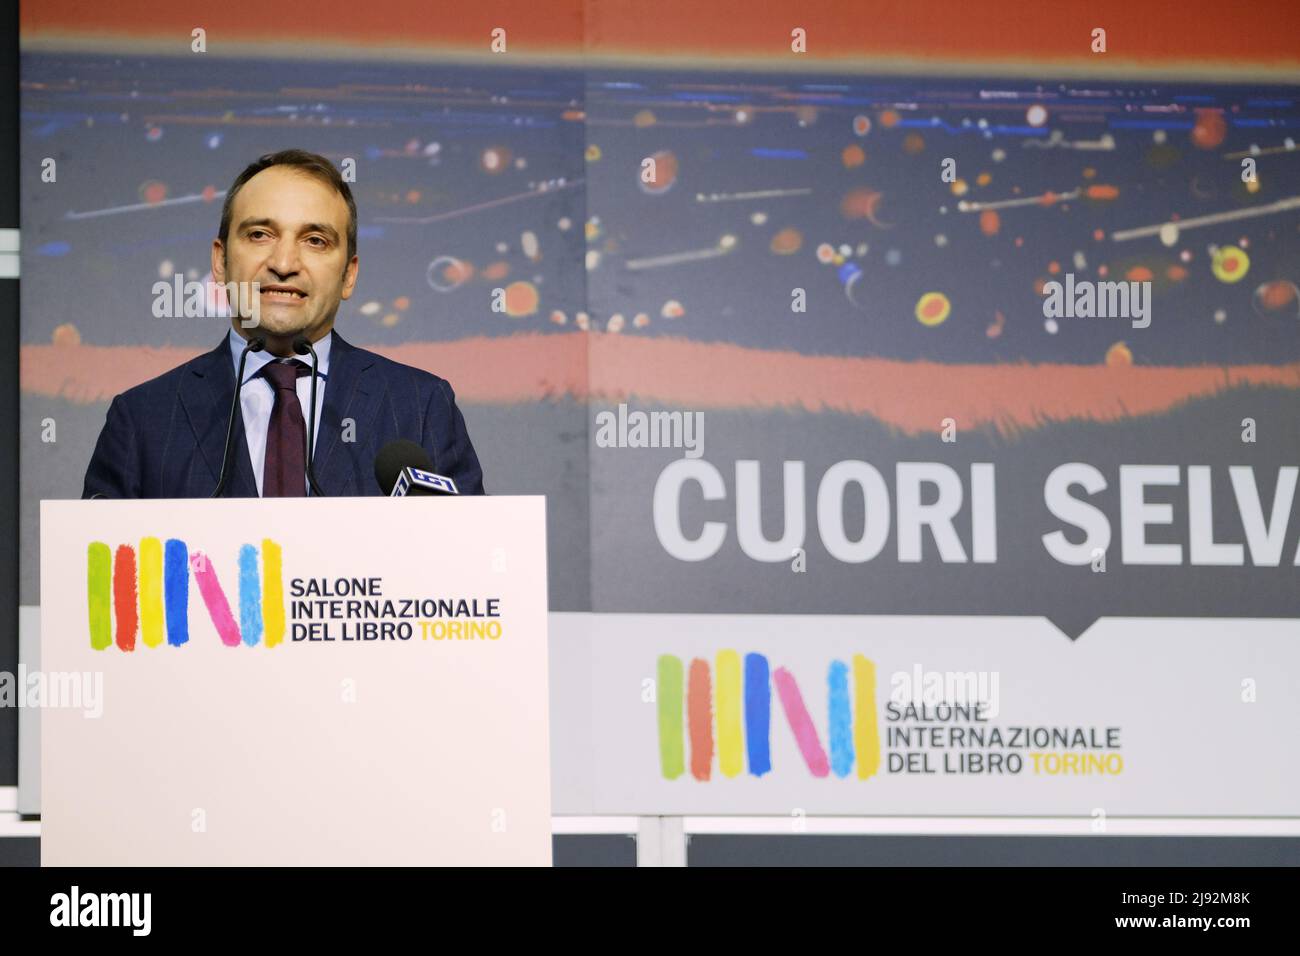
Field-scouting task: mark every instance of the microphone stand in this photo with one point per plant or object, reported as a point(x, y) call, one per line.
point(254, 345)
point(302, 346)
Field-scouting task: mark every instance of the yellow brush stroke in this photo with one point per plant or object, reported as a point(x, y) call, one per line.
point(272, 593)
point(151, 600)
point(730, 741)
point(866, 733)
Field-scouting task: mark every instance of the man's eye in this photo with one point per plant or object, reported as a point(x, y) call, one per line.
point(255, 233)
point(320, 240)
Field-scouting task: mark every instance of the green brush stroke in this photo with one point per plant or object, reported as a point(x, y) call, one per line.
point(672, 761)
point(99, 585)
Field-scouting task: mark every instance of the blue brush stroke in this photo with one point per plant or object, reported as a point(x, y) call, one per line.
point(699, 96)
point(758, 714)
point(934, 123)
point(841, 719)
point(250, 596)
point(1243, 123)
point(176, 591)
point(768, 152)
point(1161, 123)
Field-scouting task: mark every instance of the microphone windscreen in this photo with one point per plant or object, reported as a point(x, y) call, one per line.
point(394, 457)
point(302, 345)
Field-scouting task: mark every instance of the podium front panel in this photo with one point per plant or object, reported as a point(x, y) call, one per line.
point(300, 681)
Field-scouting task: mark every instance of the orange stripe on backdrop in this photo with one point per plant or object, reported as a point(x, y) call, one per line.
point(1054, 30)
point(913, 397)
point(1262, 32)
point(518, 368)
point(532, 26)
point(910, 396)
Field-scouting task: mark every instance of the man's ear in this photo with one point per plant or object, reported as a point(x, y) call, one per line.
point(350, 277)
point(218, 261)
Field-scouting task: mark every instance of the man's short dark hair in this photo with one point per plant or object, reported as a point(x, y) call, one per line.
point(310, 164)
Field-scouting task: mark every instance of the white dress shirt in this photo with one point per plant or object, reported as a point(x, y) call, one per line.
point(258, 397)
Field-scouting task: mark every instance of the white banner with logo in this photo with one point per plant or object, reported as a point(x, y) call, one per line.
point(875, 715)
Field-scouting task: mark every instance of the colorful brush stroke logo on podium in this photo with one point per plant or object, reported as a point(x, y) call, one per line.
point(732, 716)
point(145, 595)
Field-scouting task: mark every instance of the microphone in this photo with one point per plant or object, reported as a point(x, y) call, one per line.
point(302, 346)
point(255, 344)
point(403, 470)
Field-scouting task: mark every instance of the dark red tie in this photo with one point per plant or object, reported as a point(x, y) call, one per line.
point(285, 473)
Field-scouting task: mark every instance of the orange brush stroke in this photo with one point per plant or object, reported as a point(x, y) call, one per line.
point(699, 715)
point(124, 597)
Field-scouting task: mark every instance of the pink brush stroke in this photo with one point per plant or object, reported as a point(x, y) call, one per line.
point(805, 734)
point(215, 598)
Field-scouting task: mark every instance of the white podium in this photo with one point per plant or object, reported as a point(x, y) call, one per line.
point(295, 681)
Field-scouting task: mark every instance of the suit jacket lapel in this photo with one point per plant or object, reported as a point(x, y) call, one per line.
point(206, 395)
point(348, 395)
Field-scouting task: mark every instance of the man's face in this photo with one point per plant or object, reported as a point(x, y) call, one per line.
point(288, 231)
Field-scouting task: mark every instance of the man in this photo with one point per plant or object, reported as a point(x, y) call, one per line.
point(289, 224)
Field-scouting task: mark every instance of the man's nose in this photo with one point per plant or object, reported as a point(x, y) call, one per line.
point(284, 258)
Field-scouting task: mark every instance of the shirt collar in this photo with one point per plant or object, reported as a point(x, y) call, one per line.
point(256, 360)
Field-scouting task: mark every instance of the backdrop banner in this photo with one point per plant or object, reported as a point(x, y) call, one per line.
point(825, 377)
